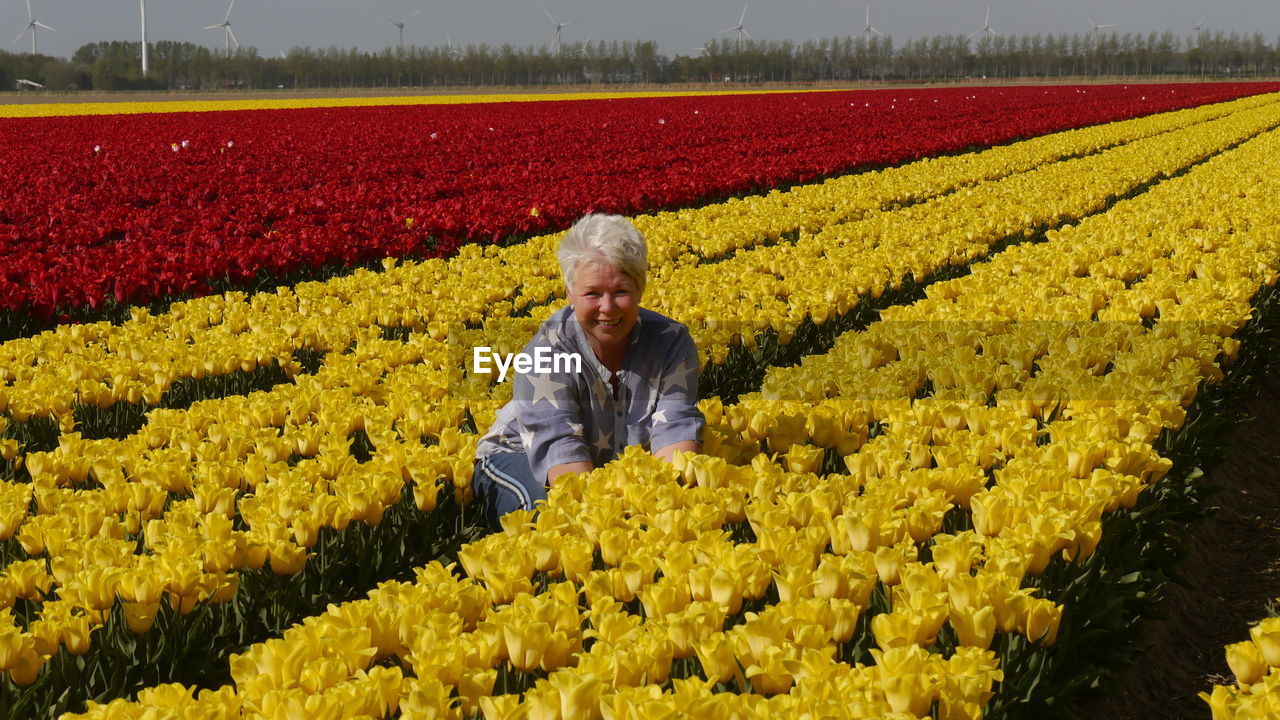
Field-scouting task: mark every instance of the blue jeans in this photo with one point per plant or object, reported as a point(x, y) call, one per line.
point(504, 482)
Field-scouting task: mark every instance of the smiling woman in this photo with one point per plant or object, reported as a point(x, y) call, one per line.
point(637, 386)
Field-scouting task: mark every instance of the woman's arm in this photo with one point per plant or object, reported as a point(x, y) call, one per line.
point(573, 467)
point(668, 453)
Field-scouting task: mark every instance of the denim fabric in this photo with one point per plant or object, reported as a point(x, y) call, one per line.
point(504, 482)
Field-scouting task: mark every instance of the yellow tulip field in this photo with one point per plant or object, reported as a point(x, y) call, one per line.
point(947, 403)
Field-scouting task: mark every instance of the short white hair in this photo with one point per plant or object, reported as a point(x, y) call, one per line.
point(599, 238)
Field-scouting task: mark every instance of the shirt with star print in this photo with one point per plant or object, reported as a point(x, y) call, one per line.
point(562, 417)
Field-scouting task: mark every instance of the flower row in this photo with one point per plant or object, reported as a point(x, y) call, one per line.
point(100, 212)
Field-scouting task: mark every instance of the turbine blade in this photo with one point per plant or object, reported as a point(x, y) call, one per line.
point(879, 33)
point(415, 13)
point(548, 12)
point(744, 32)
point(37, 23)
point(15, 40)
point(233, 37)
point(228, 17)
point(970, 36)
point(726, 30)
point(29, 16)
point(212, 27)
point(744, 15)
point(1086, 17)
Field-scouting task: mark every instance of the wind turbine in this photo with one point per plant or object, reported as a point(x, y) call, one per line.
point(226, 25)
point(869, 28)
point(32, 25)
point(1096, 27)
point(401, 24)
point(741, 30)
point(558, 26)
point(1198, 28)
point(986, 27)
point(143, 3)
point(701, 50)
point(453, 52)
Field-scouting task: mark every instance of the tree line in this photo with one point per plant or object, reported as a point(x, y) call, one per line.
point(116, 65)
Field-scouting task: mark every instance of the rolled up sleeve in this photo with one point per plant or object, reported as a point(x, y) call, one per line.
point(676, 416)
point(551, 420)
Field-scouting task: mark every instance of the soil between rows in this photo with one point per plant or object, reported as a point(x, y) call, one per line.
point(1232, 571)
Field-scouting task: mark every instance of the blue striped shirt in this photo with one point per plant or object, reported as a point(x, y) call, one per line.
point(563, 417)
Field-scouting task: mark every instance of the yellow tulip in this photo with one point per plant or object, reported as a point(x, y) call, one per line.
point(526, 642)
point(140, 616)
point(769, 674)
point(287, 558)
point(907, 684)
point(715, 654)
point(1043, 618)
point(13, 643)
point(665, 598)
point(974, 626)
point(1246, 663)
point(1266, 635)
point(1223, 702)
point(27, 668)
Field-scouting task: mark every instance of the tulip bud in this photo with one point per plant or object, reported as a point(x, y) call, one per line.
point(1246, 663)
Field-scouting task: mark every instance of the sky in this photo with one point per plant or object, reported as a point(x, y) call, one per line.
point(676, 25)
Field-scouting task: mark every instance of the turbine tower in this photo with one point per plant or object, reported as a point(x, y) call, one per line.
point(1198, 28)
point(1096, 27)
point(144, 37)
point(226, 25)
point(985, 30)
point(739, 28)
point(558, 26)
point(32, 25)
point(401, 24)
point(869, 28)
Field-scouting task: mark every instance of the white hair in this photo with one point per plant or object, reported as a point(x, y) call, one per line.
point(611, 239)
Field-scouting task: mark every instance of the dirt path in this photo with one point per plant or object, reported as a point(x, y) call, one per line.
point(1233, 569)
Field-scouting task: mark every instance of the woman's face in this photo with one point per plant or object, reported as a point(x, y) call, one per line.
point(606, 303)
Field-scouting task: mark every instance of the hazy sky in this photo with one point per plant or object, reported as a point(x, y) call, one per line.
point(677, 25)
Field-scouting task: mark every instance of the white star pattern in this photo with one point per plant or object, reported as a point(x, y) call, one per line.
point(526, 438)
point(575, 429)
point(602, 442)
point(660, 416)
point(672, 328)
point(680, 376)
point(544, 388)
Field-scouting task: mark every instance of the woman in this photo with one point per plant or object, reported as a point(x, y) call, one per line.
point(637, 383)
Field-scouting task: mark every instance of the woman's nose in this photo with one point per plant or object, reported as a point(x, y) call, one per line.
point(607, 303)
